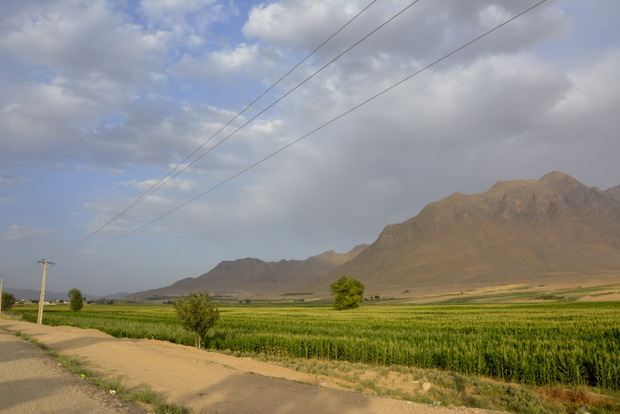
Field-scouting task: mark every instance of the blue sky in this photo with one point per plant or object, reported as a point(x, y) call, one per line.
point(101, 99)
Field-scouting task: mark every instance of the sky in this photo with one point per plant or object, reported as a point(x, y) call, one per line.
point(101, 99)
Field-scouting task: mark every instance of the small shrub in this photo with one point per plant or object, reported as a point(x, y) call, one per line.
point(197, 314)
point(76, 301)
point(8, 300)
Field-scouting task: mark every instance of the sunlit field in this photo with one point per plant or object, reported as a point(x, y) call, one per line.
point(538, 344)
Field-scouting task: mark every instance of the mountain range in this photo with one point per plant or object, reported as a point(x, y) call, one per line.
point(523, 231)
point(31, 294)
point(254, 276)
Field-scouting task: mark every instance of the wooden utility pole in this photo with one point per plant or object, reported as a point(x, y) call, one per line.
point(0, 295)
point(42, 298)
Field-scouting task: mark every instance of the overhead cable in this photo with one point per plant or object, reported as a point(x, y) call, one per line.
point(331, 121)
point(164, 180)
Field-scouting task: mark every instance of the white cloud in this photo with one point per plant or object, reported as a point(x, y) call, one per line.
point(249, 61)
point(463, 120)
point(21, 234)
point(71, 65)
point(121, 92)
point(80, 41)
point(102, 211)
point(493, 98)
point(9, 180)
point(177, 184)
point(267, 127)
point(297, 23)
point(56, 112)
point(242, 58)
point(423, 31)
point(595, 93)
point(181, 14)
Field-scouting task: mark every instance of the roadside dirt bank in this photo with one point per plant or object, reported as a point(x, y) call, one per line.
point(32, 382)
point(203, 381)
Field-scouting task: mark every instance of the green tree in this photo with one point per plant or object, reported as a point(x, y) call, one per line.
point(8, 300)
point(347, 293)
point(76, 301)
point(197, 314)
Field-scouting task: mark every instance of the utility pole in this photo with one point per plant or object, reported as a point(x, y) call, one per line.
point(42, 298)
point(0, 295)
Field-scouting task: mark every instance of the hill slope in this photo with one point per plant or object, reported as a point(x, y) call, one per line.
point(254, 276)
point(613, 192)
point(518, 231)
point(525, 231)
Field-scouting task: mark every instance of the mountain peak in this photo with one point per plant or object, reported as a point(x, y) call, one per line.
point(613, 193)
point(518, 231)
point(557, 180)
point(254, 276)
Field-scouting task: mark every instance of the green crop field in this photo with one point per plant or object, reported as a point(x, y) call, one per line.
point(538, 344)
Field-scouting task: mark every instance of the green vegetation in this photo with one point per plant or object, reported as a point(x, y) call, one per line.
point(8, 300)
point(445, 388)
point(197, 314)
point(76, 300)
point(539, 344)
point(545, 357)
point(348, 293)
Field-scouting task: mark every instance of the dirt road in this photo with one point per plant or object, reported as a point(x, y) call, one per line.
point(202, 381)
point(32, 382)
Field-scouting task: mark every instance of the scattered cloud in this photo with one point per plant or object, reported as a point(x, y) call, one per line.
point(179, 184)
point(8, 180)
point(20, 234)
point(101, 99)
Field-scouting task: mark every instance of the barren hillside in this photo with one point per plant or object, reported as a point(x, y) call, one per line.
point(524, 231)
point(254, 276)
point(518, 231)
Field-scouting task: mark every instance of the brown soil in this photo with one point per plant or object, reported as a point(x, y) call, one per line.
point(200, 380)
point(32, 382)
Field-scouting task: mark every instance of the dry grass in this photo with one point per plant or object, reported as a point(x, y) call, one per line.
point(442, 388)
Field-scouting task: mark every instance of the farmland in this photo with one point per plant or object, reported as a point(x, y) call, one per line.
point(537, 344)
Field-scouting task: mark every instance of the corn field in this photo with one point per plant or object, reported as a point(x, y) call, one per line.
point(540, 344)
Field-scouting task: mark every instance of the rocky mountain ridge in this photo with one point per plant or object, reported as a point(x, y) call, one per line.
point(254, 276)
point(522, 231)
point(518, 231)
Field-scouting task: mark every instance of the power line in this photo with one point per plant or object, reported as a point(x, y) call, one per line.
point(290, 91)
point(342, 115)
point(161, 182)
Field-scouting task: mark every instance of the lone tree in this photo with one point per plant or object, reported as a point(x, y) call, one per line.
point(8, 300)
point(347, 292)
point(76, 301)
point(197, 314)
